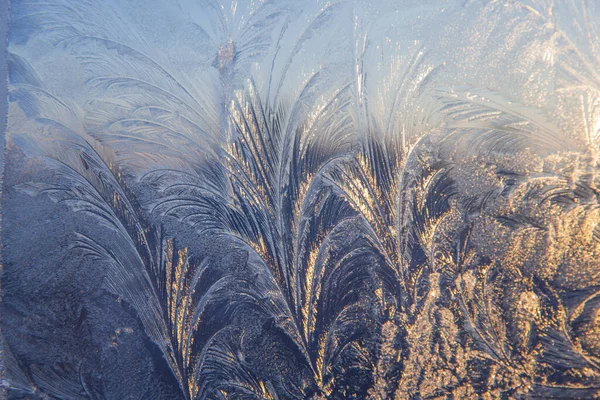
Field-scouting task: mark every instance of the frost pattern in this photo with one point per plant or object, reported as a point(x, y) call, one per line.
point(388, 229)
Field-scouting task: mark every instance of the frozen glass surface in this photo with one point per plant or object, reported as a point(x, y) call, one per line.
point(211, 199)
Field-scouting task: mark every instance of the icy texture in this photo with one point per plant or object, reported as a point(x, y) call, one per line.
point(287, 199)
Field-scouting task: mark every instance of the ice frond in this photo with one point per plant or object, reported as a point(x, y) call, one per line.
point(579, 52)
point(240, 32)
point(169, 292)
point(317, 23)
point(138, 96)
point(393, 94)
point(64, 381)
point(223, 368)
point(487, 123)
point(88, 184)
point(14, 377)
point(38, 102)
point(270, 194)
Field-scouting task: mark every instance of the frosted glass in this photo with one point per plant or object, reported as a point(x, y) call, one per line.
point(211, 199)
